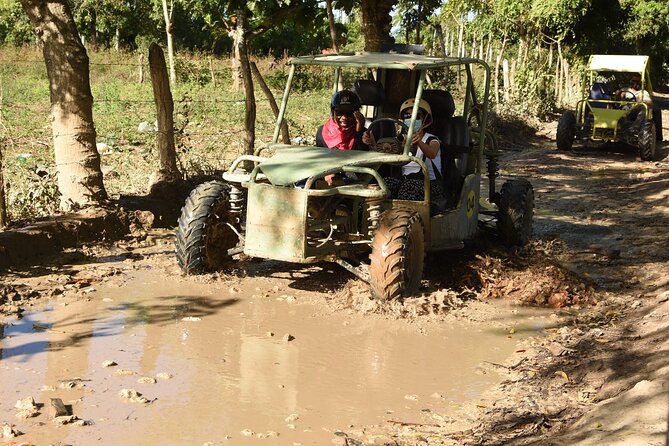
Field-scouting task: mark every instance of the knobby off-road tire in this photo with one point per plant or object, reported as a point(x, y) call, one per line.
point(647, 141)
point(398, 253)
point(516, 210)
point(566, 131)
point(203, 236)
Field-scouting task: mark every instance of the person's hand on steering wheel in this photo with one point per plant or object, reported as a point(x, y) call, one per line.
point(368, 138)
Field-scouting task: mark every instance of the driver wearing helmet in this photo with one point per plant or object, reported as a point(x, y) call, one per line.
point(346, 125)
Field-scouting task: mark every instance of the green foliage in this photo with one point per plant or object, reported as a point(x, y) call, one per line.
point(353, 38)
point(648, 29)
point(37, 197)
point(305, 79)
point(15, 28)
point(285, 40)
point(534, 94)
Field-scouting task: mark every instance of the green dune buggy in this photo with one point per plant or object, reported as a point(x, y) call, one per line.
point(611, 110)
point(282, 209)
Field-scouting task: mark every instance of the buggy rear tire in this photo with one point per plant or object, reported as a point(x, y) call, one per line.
point(398, 255)
point(566, 131)
point(203, 235)
point(647, 141)
point(516, 211)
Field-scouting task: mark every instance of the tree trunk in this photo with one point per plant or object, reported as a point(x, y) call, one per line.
point(162, 95)
point(567, 80)
point(376, 23)
point(3, 202)
point(558, 81)
point(497, 62)
point(237, 77)
point(419, 22)
point(505, 67)
point(439, 33)
point(77, 159)
point(285, 136)
point(461, 41)
point(94, 29)
point(170, 45)
point(452, 42)
point(331, 22)
point(240, 45)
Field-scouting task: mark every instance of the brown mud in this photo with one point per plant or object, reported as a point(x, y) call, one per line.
point(595, 373)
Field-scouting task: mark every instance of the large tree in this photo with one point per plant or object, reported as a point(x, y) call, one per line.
point(77, 159)
point(376, 22)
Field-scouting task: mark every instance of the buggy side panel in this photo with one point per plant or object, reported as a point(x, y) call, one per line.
point(450, 228)
point(276, 222)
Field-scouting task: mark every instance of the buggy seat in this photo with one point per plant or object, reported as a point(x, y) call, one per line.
point(600, 91)
point(453, 132)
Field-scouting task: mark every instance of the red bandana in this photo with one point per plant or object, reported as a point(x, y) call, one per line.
point(336, 137)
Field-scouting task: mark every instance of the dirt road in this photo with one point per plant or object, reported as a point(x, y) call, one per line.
point(594, 372)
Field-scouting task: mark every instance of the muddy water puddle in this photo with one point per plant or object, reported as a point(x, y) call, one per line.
point(247, 362)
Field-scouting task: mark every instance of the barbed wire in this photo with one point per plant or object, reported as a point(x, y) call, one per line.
point(203, 65)
point(23, 105)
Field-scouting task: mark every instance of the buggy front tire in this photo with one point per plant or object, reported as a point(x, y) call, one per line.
point(647, 141)
point(398, 255)
point(204, 233)
point(516, 212)
point(566, 131)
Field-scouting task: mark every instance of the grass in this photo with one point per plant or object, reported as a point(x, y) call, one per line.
point(209, 121)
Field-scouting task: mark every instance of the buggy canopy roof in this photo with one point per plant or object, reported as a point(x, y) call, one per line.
point(381, 60)
point(623, 63)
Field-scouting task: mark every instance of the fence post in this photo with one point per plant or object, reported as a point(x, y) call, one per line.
point(211, 70)
point(162, 96)
point(141, 68)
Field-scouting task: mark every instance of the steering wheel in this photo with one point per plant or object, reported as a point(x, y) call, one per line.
point(627, 96)
point(390, 144)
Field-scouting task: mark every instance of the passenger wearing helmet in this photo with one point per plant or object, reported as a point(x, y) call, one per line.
point(424, 146)
point(346, 125)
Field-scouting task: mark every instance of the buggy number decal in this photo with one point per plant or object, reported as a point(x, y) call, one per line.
point(471, 202)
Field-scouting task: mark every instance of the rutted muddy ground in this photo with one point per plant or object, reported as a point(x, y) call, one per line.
point(562, 342)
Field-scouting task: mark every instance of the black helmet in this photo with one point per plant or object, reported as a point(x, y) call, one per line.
point(344, 101)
